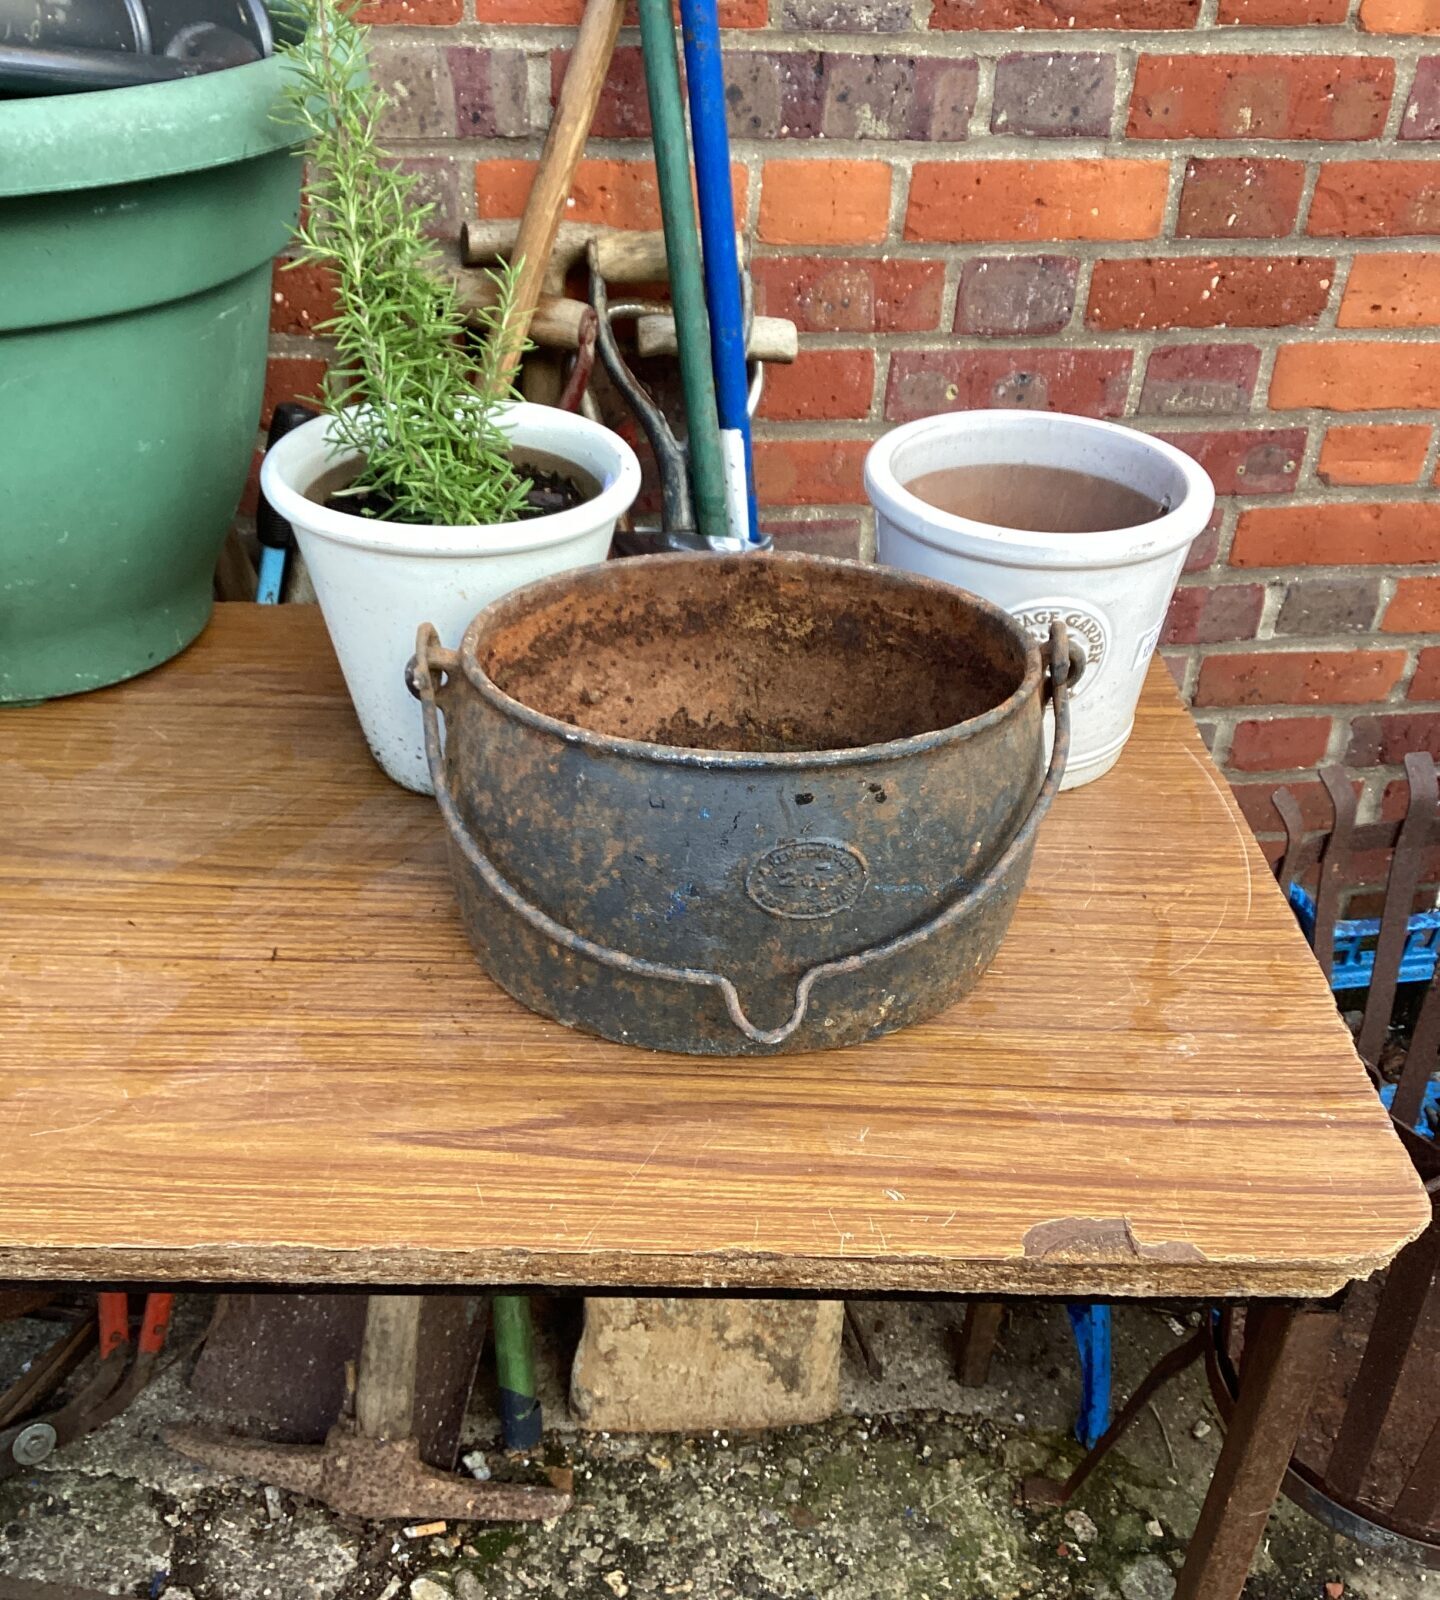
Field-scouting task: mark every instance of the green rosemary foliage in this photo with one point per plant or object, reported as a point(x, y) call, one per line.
point(430, 438)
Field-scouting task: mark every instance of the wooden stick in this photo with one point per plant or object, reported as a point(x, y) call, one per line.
point(385, 1398)
point(569, 129)
point(555, 323)
point(482, 244)
point(621, 256)
point(771, 338)
point(558, 321)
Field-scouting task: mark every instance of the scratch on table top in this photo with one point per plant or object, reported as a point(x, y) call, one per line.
point(1242, 835)
point(840, 1234)
point(622, 1191)
point(75, 1127)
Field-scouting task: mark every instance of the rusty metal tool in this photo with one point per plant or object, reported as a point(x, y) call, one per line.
point(369, 1465)
point(51, 1367)
point(678, 529)
point(116, 1382)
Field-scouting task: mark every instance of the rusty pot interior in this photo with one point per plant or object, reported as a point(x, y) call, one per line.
point(751, 653)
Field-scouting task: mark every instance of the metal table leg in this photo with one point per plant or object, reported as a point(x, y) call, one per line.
point(1285, 1350)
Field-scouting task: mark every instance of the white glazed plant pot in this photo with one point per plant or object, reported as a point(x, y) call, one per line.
point(1110, 587)
point(378, 581)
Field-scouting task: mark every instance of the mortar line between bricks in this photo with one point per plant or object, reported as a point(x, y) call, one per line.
point(1293, 499)
point(947, 43)
point(1226, 578)
point(1260, 395)
point(1127, 61)
point(984, 97)
point(1229, 517)
point(1386, 588)
point(1400, 692)
point(1432, 459)
point(879, 382)
point(1334, 293)
point(1127, 339)
point(949, 299)
point(1174, 191)
point(899, 199)
point(1361, 642)
point(1314, 435)
point(1030, 148)
point(1322, 572)
point(1319, 247)
point(1405, 70)
point(1142, 347)
point(1270, 610)
point(1075, 326)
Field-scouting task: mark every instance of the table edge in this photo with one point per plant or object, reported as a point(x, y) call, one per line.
point(1137, 1278)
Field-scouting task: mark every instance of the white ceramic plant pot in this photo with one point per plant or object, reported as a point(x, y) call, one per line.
point(378, 581)
point(1111, 588)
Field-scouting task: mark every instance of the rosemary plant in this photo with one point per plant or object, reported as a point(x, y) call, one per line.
point(429, 436)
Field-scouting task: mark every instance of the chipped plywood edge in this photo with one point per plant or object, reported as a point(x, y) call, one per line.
point(1080, 1239)
point(1126, 1277)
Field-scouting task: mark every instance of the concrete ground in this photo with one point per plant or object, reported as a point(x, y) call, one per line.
point(909, 1494)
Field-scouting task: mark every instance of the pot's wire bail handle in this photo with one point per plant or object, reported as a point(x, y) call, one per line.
point(1079, 657)
point(1065, 663)
point(431, 657)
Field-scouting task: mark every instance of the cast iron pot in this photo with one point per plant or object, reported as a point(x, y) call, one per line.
point(740, 804)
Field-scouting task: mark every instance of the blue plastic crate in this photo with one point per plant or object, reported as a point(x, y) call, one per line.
point(1355, 944)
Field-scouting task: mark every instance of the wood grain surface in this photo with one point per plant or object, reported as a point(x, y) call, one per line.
point(242, 1037)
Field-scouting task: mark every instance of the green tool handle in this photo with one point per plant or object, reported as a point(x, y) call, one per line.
point(520, 1418)
point(682, 250)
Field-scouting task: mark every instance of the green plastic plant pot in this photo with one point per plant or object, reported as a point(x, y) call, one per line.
point(137, 227)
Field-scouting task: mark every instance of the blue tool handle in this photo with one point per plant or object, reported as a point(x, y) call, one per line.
point(704, 72)
point(272, 574)
point(276, 536)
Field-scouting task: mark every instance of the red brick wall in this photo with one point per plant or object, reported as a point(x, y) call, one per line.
point(1214, 218)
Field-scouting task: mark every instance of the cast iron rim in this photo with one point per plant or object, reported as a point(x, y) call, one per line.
point(746, 760)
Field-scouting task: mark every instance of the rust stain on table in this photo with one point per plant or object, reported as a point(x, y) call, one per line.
point(242, 1037)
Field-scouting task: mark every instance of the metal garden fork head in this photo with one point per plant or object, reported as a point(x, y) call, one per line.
point(677, 512)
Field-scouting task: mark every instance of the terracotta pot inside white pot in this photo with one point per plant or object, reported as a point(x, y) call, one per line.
point(1051, 516)
point(378, 581)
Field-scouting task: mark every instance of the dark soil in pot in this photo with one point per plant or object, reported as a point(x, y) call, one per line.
point(555, 485)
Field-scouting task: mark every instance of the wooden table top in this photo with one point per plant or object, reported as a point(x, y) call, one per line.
point(242, 1037)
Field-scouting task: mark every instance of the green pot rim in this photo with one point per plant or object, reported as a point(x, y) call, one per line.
point(57, 143)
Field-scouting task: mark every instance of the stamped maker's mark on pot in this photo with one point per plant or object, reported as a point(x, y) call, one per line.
point(805, 878)
point(1083, 623)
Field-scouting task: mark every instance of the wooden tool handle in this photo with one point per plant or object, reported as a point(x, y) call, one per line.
point(771, 338)
point(569, 129)
point(482, 244)
point(555, 323)
point(621, 256)
point(389, 1356)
